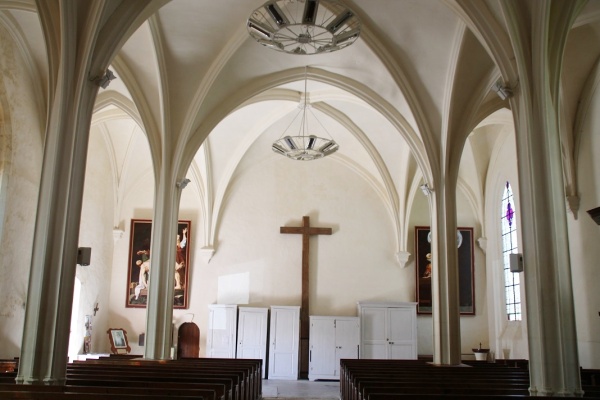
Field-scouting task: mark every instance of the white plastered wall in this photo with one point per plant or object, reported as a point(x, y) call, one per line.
point(355, 263)
point(21, 142)
point(584, 237)
point(508, 339)
point(96, 232)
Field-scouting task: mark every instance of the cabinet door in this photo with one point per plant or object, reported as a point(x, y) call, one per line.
point(374, 333)
point(402, 333)
point(222, 327)
point(347, 339)
point(322, 347)
point(252, 334)
point(283, 354)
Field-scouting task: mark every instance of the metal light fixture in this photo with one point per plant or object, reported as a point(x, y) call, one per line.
point(504, 92)
point(304, 146)
point(426, 189)
point(304, 26)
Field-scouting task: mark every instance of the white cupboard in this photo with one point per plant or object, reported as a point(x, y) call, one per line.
point(331, 339)
point(283, 342)
point(388, 330)
point(222, 329)
point(252, 334)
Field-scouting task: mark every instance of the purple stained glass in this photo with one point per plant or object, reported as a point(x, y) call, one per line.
point(509, 214)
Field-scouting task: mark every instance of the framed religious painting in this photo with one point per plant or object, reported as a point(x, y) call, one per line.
point(140, 263)
point(424, 271)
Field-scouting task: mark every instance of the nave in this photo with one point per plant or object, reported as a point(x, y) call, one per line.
point(241, 379)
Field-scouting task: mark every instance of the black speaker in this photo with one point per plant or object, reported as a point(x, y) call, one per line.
point(516, 262)
point(595, 214)
point(83, 255)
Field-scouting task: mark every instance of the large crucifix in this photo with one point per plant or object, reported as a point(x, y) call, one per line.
point(306, 231)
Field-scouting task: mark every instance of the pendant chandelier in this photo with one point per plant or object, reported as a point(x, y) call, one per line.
point(304, 26)
point(303, 146)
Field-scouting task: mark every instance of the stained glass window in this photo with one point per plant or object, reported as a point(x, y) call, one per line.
point(512, 285)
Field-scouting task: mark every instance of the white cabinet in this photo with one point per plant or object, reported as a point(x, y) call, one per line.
point(283, 342)
point(388, 330)
point(222, 329)
point(252, 334)
point(331, 339)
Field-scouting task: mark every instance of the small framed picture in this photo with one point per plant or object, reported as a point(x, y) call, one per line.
point(118, 341)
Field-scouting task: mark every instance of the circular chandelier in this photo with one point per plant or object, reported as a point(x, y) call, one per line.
point(303, 146)
point(304, 26)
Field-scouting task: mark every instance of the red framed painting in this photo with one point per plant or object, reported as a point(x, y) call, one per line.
point(466, 276)
point(138, 276)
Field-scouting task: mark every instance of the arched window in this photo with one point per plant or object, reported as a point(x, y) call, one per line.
point(512, 285)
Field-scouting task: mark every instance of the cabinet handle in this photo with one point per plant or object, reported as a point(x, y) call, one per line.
point(309, 356)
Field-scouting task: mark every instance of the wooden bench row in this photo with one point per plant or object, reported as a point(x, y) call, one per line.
point(208, 379)
point(391, 379)
point(242, 378)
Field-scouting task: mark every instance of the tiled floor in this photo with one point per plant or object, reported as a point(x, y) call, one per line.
point(301, 389)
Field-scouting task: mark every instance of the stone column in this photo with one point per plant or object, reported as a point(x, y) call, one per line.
point(159, 313)
point(70, 28)
point(553, 357)
point(444, 284)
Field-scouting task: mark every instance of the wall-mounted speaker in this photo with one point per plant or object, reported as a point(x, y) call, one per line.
point(516, 262)
point(83, 255)
point(595, 214)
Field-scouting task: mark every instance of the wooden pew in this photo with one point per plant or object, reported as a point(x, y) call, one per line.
point(225, 385)
point(357, 373)
point(45, 392)
point(246, 374)
point(420, 396)
point(208, 379)
point(220, 387)
point(590, 377)
point(359, 378)
point(44, 395)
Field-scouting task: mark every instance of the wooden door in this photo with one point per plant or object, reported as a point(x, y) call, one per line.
point(284, 339)
point(402, 332)
point(252, 334)
point(374, 333)
point(322, 348)
point(347, 340)
point(222, 329)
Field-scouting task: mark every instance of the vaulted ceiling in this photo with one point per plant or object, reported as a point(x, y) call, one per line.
point(415, 85)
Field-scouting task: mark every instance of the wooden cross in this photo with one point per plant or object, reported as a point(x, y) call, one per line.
point(306, 231)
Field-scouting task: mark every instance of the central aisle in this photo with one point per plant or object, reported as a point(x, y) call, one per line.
point(301, 389)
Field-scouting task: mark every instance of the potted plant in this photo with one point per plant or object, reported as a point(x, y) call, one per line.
point(481, 354)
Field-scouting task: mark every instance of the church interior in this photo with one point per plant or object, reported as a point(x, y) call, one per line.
point(137, 133)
